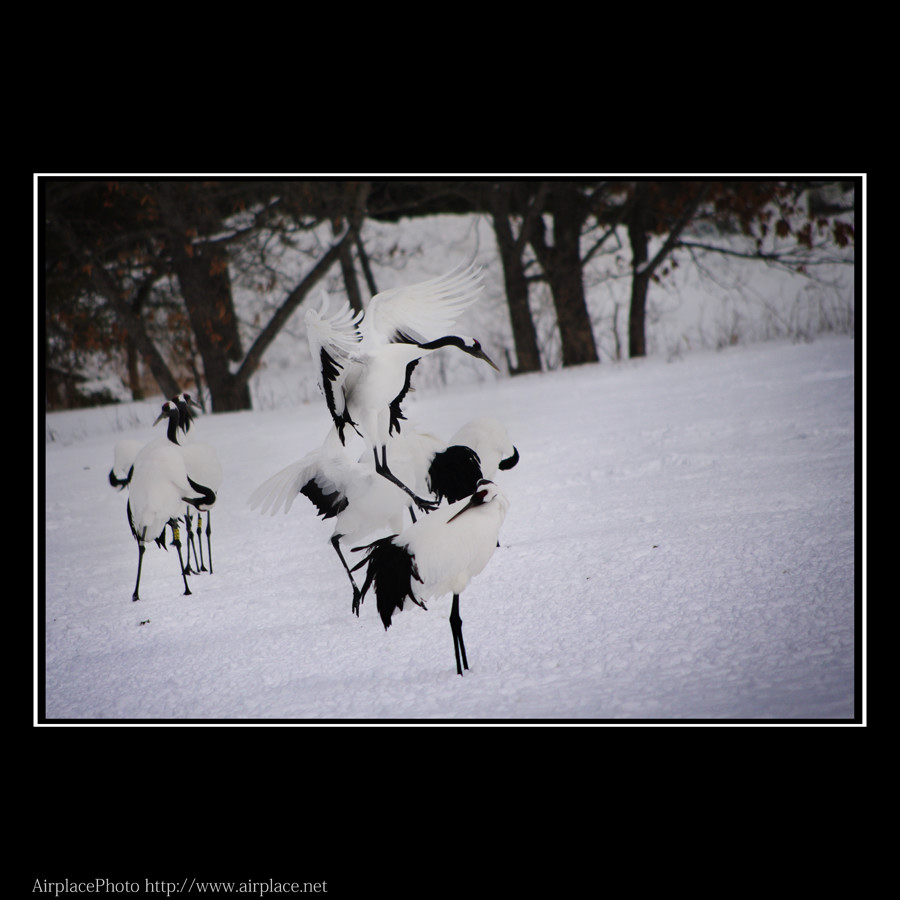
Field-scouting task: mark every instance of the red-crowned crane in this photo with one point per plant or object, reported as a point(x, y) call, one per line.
point(158, 491)
point(438, 555)
point(489, 438)
point(365, 361)
point(476, 451)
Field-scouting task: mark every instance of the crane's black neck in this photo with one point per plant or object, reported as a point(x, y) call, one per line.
point(172, 428)
point(448, 340)
point(510, 461)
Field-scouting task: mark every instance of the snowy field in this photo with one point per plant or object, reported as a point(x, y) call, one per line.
point(681, 546)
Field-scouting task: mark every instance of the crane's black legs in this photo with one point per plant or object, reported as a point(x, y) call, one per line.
point(137, 583)
point(357, 596)
point(161, 541)
point(459, 646)
point(381, 467)
point(208, 533)
point(199, 540)
point(190, 542)
point(176, 542)
point(207, 498)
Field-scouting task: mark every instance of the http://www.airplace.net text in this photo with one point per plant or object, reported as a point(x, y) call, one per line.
point(272, 886)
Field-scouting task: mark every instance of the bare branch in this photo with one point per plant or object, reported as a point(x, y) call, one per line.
point(787, 258)
point(672, 240)
point(130, 319)
point(294, 299)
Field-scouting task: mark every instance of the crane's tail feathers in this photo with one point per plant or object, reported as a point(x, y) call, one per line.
point(391, 569)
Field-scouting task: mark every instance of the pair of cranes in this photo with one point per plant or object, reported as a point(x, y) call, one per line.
point(442, 550)
point(166, 479)
point(365, 364)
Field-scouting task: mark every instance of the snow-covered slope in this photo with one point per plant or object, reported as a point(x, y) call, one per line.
point(680, 545)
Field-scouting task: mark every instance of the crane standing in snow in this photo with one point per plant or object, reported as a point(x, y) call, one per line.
point(443, 552)
point(159, 488)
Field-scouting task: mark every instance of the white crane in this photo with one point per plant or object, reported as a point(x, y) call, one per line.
point(352, 493)
point(442, 552)
point(365, 362)
point(489, 438)
point(203, 465)
point(476, 451)
point(158, 491)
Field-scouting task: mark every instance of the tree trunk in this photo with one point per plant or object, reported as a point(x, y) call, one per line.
point(642, 267)
point(575, 329)
point(134, 375)
point(528, 357)
point(206, 288)
point(132, 357)
point(637, 235)
point(562, 265)
point(202, 270)
point(637, 319)
point(348, 270)
point(367, 269)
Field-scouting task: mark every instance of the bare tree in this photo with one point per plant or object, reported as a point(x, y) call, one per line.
point(561, 262)
point(643, 268)
point(512, 247)
point(116, 241)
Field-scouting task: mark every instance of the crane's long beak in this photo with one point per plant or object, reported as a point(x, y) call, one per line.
point(475, 500)
point(482, 355)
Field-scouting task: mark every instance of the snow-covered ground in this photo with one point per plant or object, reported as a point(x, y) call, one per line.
point(680, 546)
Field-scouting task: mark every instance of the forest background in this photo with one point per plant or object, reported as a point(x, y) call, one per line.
point(159, 285)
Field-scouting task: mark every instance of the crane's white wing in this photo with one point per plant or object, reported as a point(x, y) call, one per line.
point(327, 466)
point(333, 342)
point(335, 331)
point(281, 489)
point(422, 312)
